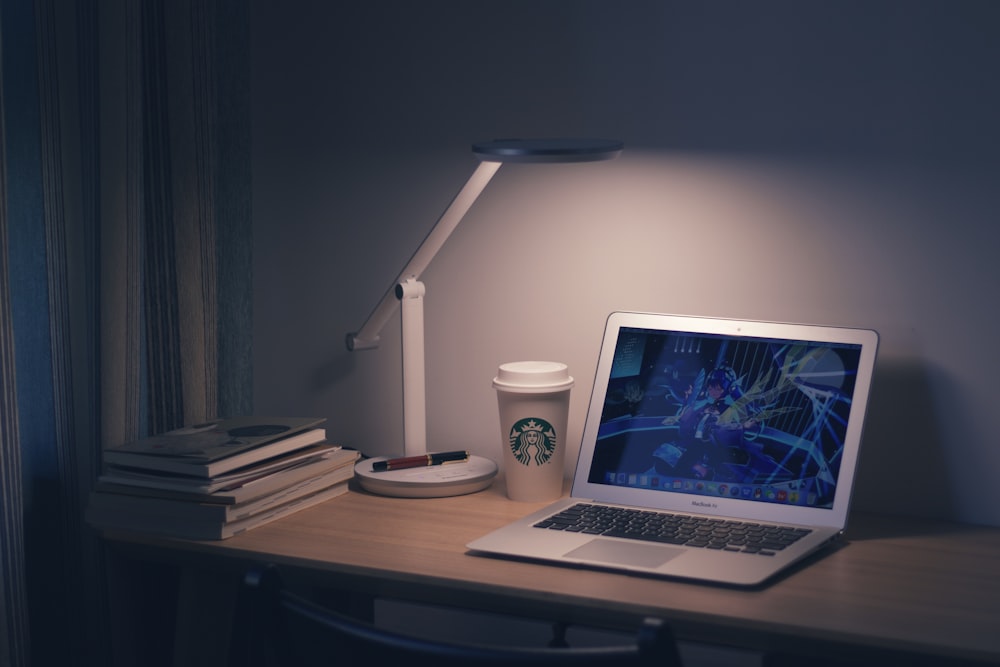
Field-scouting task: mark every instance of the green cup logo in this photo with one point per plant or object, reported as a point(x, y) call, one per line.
point(533, 441)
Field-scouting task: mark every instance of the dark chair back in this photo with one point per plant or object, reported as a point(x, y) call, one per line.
point(284, 628)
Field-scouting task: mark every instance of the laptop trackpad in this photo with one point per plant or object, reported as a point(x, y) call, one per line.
point(637, 554)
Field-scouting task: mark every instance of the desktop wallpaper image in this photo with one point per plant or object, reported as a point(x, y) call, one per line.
point(755, 419)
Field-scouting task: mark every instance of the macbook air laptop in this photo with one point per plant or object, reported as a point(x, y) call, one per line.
point(715, 450)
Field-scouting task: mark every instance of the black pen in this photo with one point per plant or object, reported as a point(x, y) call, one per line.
point(420, 461)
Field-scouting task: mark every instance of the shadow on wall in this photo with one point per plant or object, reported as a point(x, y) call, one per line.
point(338, 368)
point(903, 467)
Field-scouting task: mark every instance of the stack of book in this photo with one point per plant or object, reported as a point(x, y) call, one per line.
point(212, 481)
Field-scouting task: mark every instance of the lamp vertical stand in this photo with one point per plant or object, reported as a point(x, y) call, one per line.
point(410, 293)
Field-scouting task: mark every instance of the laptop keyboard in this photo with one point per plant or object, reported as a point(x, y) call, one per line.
point(666, 528)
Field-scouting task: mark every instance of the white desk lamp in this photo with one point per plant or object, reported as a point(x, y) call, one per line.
point(408, 291)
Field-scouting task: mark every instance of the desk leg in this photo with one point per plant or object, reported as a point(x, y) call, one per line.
point(141, 598)
point(206, 604)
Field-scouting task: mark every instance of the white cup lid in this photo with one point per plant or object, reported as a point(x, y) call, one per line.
point(533, 376)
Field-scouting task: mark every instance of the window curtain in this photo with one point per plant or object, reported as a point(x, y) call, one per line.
point(125, 276)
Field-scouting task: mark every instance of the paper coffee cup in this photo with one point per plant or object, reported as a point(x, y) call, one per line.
point(533, 398)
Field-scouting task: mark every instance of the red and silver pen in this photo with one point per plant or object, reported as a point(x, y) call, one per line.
point(420, 461)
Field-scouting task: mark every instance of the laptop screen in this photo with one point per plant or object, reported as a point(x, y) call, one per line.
point(752, 418)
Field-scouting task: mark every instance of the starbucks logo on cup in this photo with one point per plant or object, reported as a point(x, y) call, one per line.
point(533, 441)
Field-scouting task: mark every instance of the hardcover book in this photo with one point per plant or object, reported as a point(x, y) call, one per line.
point(214, 448)
point(219, 438)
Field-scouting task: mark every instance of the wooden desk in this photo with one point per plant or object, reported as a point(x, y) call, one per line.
point(899, 588)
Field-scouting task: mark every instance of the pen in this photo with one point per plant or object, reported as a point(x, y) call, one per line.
point(420, 461)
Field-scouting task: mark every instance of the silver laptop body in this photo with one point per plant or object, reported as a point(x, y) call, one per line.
point(750, 427)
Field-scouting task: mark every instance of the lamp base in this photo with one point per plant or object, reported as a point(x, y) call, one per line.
point(451, 479)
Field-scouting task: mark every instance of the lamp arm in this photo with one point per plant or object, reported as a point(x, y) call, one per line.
point(367, 336)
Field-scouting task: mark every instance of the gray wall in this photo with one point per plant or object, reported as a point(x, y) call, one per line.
point(825, 162)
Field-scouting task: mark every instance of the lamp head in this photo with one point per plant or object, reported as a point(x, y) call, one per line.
point(547, 150)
